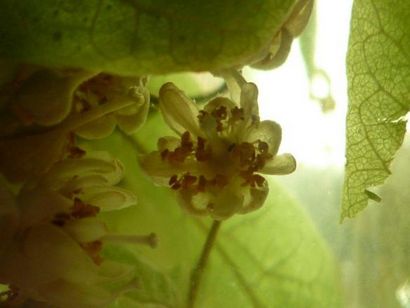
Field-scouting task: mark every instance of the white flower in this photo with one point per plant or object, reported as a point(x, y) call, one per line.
point(215, 164)
point(51, 237)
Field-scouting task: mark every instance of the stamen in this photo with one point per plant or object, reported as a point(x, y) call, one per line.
point(164, 154)
point(201, 184)
point(263, 147)
point(188, 181)
point(93, 249)
point(76, 152)
point(237, 114)
point(149, 239)
point(202, 154)
point(220, 113)
point(81, 209)
point(174, 182)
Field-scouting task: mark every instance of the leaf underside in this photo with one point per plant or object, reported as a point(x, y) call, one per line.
point(138, 36)
point(378, 65)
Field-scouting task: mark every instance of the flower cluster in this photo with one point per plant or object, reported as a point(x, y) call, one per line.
point(52, 238)
point(50, 231)
point(215, 164)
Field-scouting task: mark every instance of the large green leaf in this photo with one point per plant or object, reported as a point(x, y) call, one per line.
point(139, 36)
point(379, 79)
point(271, 258)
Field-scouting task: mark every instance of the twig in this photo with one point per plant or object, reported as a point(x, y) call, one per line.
point(196, 275)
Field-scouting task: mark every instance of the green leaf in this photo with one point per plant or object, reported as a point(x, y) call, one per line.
point(271, 258)
point(139, 36)
point(379, 78)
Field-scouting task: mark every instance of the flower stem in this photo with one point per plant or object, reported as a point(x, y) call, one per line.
point(197, 272)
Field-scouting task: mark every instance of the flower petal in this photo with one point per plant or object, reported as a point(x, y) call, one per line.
point(255, 198)
point(85, 230)
point(280, 164)
point(108, 198)
point(226, 203)
point(249, 100)
point(72, 170)
point(179, 112)
point(131, 123)
point(269, 132)
point(97, 129)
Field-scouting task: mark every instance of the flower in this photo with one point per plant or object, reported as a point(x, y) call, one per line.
point(104, 88)
point(215, 164)
point(52, 238)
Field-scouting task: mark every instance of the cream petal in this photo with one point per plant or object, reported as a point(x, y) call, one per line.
point(280, 165)
point(249, 100)
point(269, 132)
point(46, 96)
point(226, 203)
point(255, 198)
point(94, 163)
point(131, 123)
point(179, 112)
point(108, 198)
point(98, 129)
point(194, 204)
point(85, 230)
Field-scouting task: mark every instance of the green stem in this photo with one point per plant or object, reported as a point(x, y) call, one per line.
point(196, 275)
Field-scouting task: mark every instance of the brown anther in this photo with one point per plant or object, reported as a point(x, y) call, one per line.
point(202, 114)
point(220, 113)
point(60, 219)
point(258, 180)
point(259, 162)
point(93, 249)
point(186, 142)
point(76, 152)
point(263, 147)
point(81, 209)
point(246, 153)
point(178, 155)
point(164, 154)
point(210, 207)
point(237, 114)
point(174, 182)
point(201, 153)
point(231, 147)
point(201, 183)
point(188, 181)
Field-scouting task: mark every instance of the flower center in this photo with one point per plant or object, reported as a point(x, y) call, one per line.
point(219, 157)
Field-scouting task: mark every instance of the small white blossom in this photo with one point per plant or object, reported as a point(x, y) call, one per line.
point(215, 164)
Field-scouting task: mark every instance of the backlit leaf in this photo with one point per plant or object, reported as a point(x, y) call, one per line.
point(379, 78)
